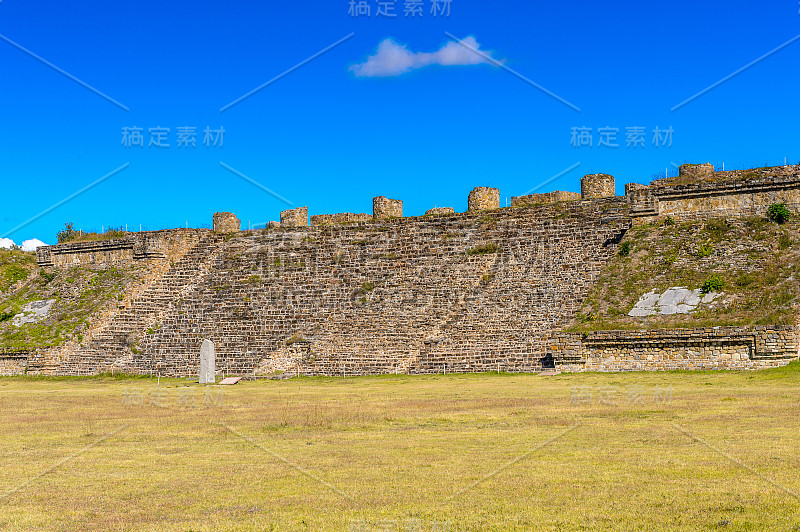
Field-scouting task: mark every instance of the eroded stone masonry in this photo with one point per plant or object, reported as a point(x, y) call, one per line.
point(485, 290)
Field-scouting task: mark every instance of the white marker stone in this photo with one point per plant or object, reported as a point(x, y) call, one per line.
point(207, 365)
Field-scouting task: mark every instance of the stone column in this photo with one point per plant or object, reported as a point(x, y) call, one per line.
point(383, 208)
point(226, 222)
point(597, 186)
point(295, 217)
point(483, 199)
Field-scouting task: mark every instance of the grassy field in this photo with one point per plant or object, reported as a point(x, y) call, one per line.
point(633, 451)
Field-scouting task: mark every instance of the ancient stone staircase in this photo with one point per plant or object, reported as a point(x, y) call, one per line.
point(160, 296)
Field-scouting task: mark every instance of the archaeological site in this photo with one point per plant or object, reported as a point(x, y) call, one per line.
point(695, 271)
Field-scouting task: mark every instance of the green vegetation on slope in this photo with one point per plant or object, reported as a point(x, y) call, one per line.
point(15, 266)
point(753, 262)
point(79, 293)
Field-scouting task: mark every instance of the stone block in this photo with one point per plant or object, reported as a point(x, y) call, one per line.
point(699, 171)
point(383, 208)
point(483, 199)
point(440, 210)
point(226, 222)
point(295, 217)
point(597, 186)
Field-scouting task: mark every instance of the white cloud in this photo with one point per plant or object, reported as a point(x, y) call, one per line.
point(393, 59)
point(6, 243)
point(32, 244)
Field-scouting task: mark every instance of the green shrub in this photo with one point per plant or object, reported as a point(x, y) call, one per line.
point(483, 249)
point(717, 227)
point(704, 250)
point(294, 339)
point(366, 288)
point(712, 284)
point(778, 213)
point(66, 234)
point(669, 220)
point(624, 249)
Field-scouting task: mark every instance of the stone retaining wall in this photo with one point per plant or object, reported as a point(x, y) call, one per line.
point(340, 218)
point(717, 195)
point(142, 246)
point(753, 347)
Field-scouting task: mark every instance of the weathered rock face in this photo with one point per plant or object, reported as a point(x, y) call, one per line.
point(384, 208)
point(675, 300)
point(597, 186)
point(547, 197)
point(33, 312)
point(440, 210)
point(483, 199)
point(295, 217)
point(226, 222)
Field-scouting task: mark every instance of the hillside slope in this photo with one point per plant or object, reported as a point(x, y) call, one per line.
point(756, 261)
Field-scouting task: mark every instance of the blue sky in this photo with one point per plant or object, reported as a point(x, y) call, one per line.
point(326, 137)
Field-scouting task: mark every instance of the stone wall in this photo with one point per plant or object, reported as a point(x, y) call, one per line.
point(13, 363)
point(476, 291)
point(133, 247)
point(384, 208)
point(753, 347)
point(226, 222)
point(547, 197)
point(597, 186)
point(295, 217)
point(740, 193)
point(483, 198)
point(340, 218)
point(436, 211)
point(400, 295)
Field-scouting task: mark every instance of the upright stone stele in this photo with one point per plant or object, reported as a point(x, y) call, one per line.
point(207, 363)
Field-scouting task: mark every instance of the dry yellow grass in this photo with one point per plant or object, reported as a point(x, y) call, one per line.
point(634, 451)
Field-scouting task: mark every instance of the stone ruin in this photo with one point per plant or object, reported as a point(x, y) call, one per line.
point(483, 199)
point(295, 217)
point(384, 208)
point(427, 295)
point(595, 186)
point(226, 222)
